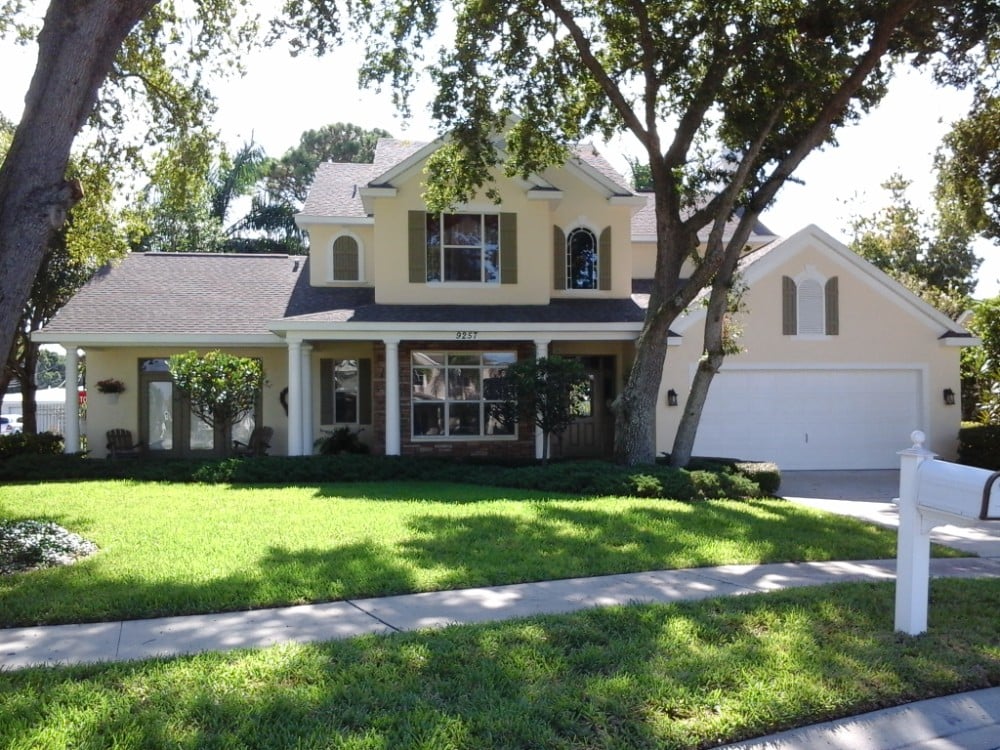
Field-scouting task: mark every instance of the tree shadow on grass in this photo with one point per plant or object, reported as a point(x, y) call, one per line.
point(669, 676)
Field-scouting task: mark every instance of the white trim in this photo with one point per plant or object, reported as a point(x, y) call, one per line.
point(627, 200)
point(544, 194)
point(307, 219)
point(162, 339)
point(325, 330)
point(961, 341)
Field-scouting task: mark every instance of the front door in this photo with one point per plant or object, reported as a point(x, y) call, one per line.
point(167, 426)
point(591, 434)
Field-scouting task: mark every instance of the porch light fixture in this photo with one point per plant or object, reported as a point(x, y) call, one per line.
point(949, 397)
point(671, 397)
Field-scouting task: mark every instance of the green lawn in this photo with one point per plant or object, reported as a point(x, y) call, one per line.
point(688, 675)
point(170, 549)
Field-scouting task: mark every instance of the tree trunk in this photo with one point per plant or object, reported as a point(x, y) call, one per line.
point(76, 48)
point(635, 414)
point(711, 361)
point(29, 404)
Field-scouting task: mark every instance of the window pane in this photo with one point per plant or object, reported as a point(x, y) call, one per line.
point(428, 419)
point(160, 410)
point(463, 229)
point(464, 359)
point(463, 419)
point(346, 407)
point(581, 249)
point(499, 358)
point(463, 264)
point(495, 425)
point(433, 247)
point(202, 436)
point(491, 249)
point(428, 383)
point(463, 384)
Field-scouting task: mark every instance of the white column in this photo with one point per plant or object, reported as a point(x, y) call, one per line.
point(392, 438)
point(913, 544)
point(307, 400)
point(294, 397)
point(71, 426)
point(541, 352)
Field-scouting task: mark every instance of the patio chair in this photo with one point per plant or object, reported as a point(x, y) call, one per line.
point(120, 444)
point(257, 445)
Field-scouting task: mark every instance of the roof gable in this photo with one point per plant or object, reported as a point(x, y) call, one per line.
point(764, 261)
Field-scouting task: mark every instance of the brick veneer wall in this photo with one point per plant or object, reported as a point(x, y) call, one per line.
point(523, 447)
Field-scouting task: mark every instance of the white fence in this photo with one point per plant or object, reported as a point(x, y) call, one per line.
point(51, 416)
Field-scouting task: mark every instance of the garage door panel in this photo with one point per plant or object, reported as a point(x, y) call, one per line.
point(811, 419)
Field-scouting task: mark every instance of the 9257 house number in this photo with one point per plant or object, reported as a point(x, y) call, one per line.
point(466, 335)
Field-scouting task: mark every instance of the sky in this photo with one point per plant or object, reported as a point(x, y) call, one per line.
point(281, 96)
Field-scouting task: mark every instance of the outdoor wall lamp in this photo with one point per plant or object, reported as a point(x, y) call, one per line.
point(949, 397)
point(671, 397)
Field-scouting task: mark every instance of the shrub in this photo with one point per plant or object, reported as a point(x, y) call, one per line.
point(21, 443)
point(979, 445)
point(582, 478)
point(340, 440)
point(25, 545)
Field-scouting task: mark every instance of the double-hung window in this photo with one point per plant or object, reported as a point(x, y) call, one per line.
point(345, 391)
point(463, 247)
point(459, 394)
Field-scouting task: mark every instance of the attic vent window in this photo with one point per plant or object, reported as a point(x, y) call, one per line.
point(810, 306)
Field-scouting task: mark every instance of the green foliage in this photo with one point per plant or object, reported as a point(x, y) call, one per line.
point(221, 387)
point(582, 478)
point(547, 392)
point(981, 365)
point(25, 444)
point(933, 257)
point(979, 445)
point(340, 440)
point(28, 545)
point(290, 177)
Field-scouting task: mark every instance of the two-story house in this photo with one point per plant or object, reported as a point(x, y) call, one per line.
point(400, 322)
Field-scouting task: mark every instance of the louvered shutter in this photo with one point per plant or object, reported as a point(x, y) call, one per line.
point(508, 248)
point(345, 259)
point(418, 247)
point(789, 302)
point(832, 307)
point(604, 260)
point(558, 258)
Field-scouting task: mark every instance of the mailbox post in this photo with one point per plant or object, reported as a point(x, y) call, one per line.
point(931, 494)
point(913, 543)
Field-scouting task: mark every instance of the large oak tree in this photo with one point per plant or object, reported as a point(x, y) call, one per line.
point(725, 98)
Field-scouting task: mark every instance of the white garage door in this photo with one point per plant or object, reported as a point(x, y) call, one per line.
point(811, 419)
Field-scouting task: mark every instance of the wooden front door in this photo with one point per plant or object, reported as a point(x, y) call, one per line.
point(591, 435)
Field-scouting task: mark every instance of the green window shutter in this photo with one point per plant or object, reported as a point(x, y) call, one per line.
point(508, 248)
point(345, 259)
point(789, 302)
point(832, 307)
point(604, 260)
point(418, 247)
point(364, 391)
point(558, 258)
point(326, 394)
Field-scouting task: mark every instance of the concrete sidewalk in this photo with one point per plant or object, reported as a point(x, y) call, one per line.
point(173, 636)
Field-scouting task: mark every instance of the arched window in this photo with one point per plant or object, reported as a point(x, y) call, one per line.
point(346, 259)
point(581, 259)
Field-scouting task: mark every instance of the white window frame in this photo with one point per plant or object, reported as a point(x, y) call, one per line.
point(446, 403)
point(482, 249)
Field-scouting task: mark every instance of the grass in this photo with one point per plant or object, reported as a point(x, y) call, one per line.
point(168, 549)
point(687, 675)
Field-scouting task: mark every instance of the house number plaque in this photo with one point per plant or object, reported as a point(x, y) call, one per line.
point(466, 335)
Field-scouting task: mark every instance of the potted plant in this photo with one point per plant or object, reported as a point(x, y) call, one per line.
point(112, 387)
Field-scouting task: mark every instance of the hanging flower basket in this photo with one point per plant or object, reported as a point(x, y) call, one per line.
point(110, 386)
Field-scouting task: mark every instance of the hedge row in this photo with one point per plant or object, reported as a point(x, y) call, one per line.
point(979, 445)
point(733, 480)
point(23, 444)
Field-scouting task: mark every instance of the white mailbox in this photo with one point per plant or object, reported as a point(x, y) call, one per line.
point(959, 495)
point(931, 494)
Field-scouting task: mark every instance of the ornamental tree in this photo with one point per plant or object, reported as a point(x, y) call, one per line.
point(222, 388)
point(724, 99)
point(547, 393)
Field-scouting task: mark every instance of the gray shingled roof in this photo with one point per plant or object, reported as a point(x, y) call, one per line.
point(200, 294)
point(644, 224)
point(196, 293)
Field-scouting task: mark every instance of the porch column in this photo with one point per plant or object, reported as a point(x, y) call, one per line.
point(541, 352)
point(294, 397)
point(307, 400)
point(71, 419)
point(392, 439)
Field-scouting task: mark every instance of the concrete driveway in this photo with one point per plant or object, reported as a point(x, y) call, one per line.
point(869, 495)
